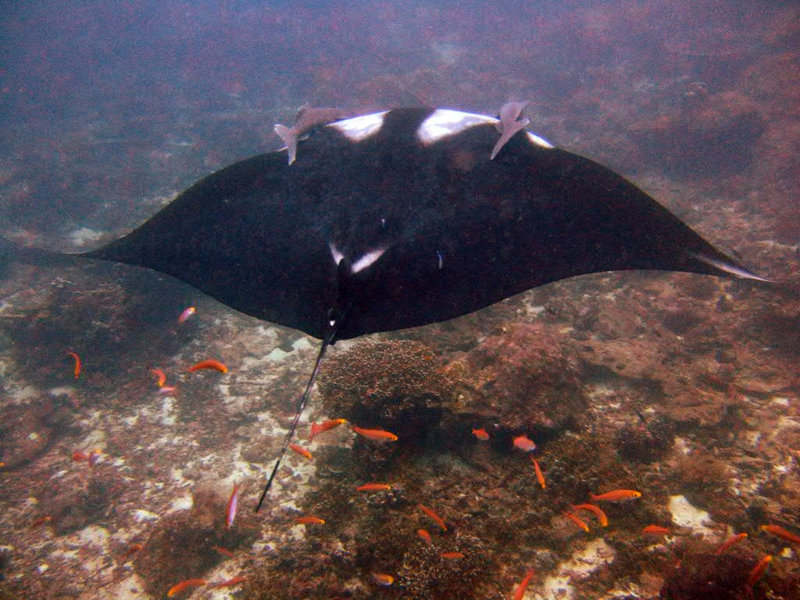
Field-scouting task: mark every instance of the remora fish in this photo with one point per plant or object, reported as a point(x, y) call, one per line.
point(399, 219)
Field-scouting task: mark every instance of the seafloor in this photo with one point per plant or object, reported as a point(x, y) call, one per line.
point(685, 388)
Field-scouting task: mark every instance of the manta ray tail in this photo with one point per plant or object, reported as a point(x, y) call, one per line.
point(300, 406)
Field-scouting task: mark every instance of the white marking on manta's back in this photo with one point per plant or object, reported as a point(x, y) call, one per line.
point(539, 141)
point(367, 259)
point(444, 122)
point(360, 128)
point(335, 254)
point(361, 263)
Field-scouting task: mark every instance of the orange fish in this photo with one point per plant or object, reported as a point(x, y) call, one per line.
point(616, 495)
point(383, 579)
point(374, 487)
point(481, 434)
point(523, 585)
point(309, 520)
point(161, 377)
point(179, 587)
point(436, 518)
point(424, 536)
point(655, 530)
point(601, 516)
point(539, 474)
point(730, 542)
point(184, 316)
point(524, 443)
point(781, 533)
point(78, 365)
point(133, 548)
point(209, 364)
point(577, 520)
point(79, 456)
point(452, 555)
point(316, 429)
point(223, 551)
point(301, 451)
point(230, 582)
point(378, 435)
point(758, 570)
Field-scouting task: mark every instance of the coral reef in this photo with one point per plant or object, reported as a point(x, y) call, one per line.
point(29, 429)
point(184, 544)
point(525, 378)
point(702, 576)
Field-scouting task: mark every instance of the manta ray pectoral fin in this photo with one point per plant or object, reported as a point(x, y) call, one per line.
point(729, 268)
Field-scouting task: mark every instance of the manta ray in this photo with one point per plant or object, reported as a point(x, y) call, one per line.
point(402, 218)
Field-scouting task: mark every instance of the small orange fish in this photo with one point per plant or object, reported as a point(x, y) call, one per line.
point(577, 520)
point(223, 551)
point(41, 520)
point(481, 434)
point(230, 582)
point(758, 570)
point(539, 474)
point(188, 312)
point(374, 487)
point(730, 542)
point(232, 507)
point(523, 585)
point(436, 518)
point(183, 585)
point(378, 435)
point(301, 451)
point(656, 530)
point(79, 456)
point(781, 533)
point(424, 536)
point(132, 549)
point(383, 579)
point(78, 364)
point(161, 377)
point(209, 364)
point(601, 516)
point(524, 443)
point(451, 555)
point(616, 495)
point(317, 428)
point(309, 520)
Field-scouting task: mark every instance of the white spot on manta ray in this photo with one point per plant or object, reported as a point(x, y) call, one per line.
point(360, 128)
point(367, 259)
point(444, 122)
point(539, 141)
point(361, 263)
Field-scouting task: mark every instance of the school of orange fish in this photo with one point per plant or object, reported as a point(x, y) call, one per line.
point(521, 442)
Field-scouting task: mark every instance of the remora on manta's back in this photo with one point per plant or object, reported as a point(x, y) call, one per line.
point(402, 218)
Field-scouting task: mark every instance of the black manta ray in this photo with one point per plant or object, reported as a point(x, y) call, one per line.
point(399, 219)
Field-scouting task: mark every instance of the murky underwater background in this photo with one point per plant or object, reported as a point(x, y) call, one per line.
point(682, 387)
